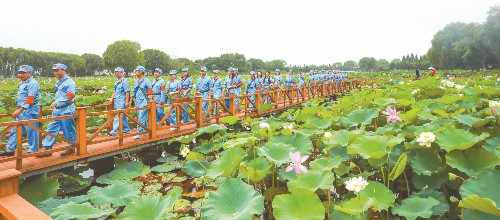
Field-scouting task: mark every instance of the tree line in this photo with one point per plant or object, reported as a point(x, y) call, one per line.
point(457, 45)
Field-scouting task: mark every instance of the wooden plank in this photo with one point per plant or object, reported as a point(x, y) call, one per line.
point(15, 207)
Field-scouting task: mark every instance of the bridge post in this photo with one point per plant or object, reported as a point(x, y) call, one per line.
point(152, 118)
point(19, 148)
point(257, 100)
point(232, 101)
point(81, 130)
point(303, 92)
point(199, 111)
point(276, 97)
point(40, 139)
point(111, 107)
point(292, 95)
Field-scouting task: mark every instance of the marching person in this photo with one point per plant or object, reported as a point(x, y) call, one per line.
point(173, 87)
point(64, 104)
point(203, 88)
point(216, 86)
point(289, 82)
point(250, 88)
point(28, 93)
point(187, 85)
point(301, 81)
point(238, 82)
point(141, 93)
point(121, 100)
point(159, 93)
point(229, 85)
point(267, 85)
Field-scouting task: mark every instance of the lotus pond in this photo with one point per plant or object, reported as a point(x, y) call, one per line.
point(398, 149)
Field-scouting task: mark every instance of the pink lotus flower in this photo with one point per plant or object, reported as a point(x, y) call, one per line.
point(494, 112)
point(296, 164)
point(393, 115)
point(100, 91)
point(374, 85)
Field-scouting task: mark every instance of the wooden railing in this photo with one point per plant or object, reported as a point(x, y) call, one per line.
point(85, 135)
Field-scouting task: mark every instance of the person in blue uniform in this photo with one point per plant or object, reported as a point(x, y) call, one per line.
point(267, 86)
point(160, 95)
point(173, 87)
point(142, 91)
point(203, 88)
point(216, 86)
point(250, 88)
point(28, 93)
point(64, 104)
point(301, 81)
point(289, 82)
point(230, 85)
point(260, 80)
point(238, 82)
point(187, 85)
point(278, 79)
point(121, 100)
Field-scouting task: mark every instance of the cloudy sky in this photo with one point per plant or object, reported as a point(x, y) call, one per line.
point(300, 32)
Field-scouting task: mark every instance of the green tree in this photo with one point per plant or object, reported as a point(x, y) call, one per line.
point(367, 64)
point(123, 53)
point(492, 31)
point(395, 64)
point(257, 64)
point(275, 64)
point(350, 65)
point(93, 63)
point(382, 65)
point(156, 59)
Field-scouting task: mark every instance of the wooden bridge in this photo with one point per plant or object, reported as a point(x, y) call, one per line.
point(93, 143)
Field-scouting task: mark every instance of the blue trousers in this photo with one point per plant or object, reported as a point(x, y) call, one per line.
point(118, 105)
point(160, 113)
point(32, 134)
point(143, 118)
point(228, 101)
point(173, 116)
point(204, 106)
point(252, 98)
point(66, 125)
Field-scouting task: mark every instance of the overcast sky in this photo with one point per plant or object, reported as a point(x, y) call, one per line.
point(299, 32)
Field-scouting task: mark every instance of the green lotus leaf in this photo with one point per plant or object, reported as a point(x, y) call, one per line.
point(458, 139)
point(129, 170)
point(399, 167)
point(301, 204)
point(300, 142)
point(425, 161)
point(450, 99)
point(360, 116)
point(443, 205)
point(471, 121)
point(427, 83)
point(195, 169)
point(410, 117)
point(306, 113)
point(212, 129)
point(309, 132)
point(493, 145)
point(255, 170)
point(167, 167)
point(426, 115)
point(272, 192)
point(369, 146)
point(434, 181)
point(185, 139)
point(265, 107)
point(50, 204)
point(30, 188)
point(151, 207)
point(234, 199)
point(483, 186)
point(277, 153)
point(207, 147)
point(78, 211)
point(339, 138)
point(231, 120)
point(321, 123)
point(239, 142)
point(404, 102)
point(167, 159)
point(381, 101)
point(356, 206)
point(312, 180)
point(382, 198)
point(324, 164)
point(119, 194)
point(482, 204)
point(227, 163)
point(434, 92)
point(415, 207)
point(472, 161)
point(193, 155)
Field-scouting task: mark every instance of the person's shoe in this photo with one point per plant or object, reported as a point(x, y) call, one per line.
point(43, 155)
point(128, 132)
point(67, 152)
point(138, 136)
point(29, 152)
point(7, 153)
point(173, 129)
point(111, 135)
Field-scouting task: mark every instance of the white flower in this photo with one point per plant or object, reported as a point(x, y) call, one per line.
point(328, 135)
point(264, 125)
point(459, 87)
point(415, 91)
point(426, 138)
point(356, 184)
point(288, 125)
point(450, 84)
point(494, 104)
point(185, 151)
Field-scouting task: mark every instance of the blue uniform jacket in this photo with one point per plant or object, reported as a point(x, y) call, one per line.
point(140, 92)
point(65, 90)
point(159, 91)
point(28, 93)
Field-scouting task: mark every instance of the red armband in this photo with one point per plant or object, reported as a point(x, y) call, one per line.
point(179, 89)
point(30, 100)
point(70, 95)
point(162, 88)
point(150, 91)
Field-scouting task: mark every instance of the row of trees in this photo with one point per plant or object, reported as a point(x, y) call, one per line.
point(468, 45)
point(458, 45)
